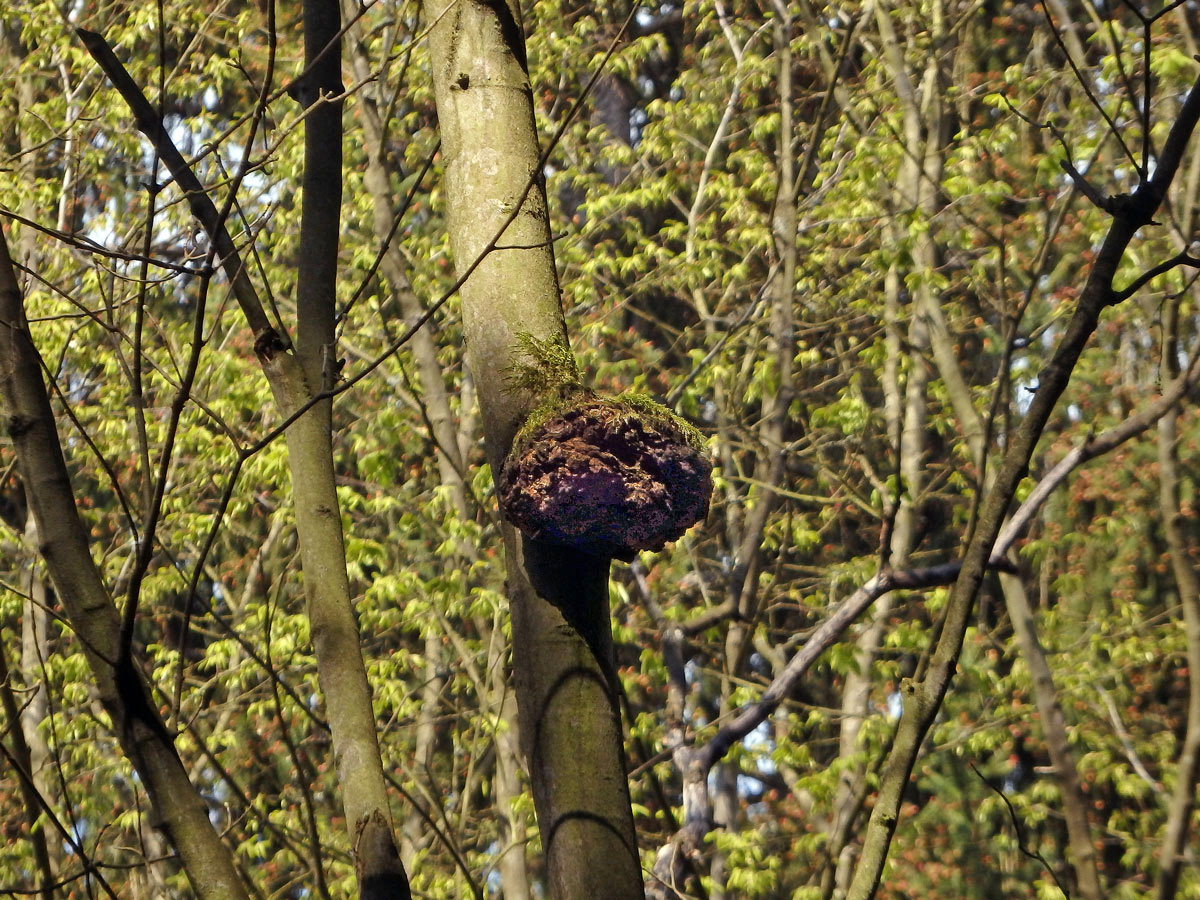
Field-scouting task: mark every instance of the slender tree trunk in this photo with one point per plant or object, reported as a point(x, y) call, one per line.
point(340, 668)
point(769, 468)
point(562, 647)
point(378, 180)
point(924, 162)
point(1079, 833)
point(297, 378)
point(177, 810)
point(30, 753)
point(379, 184)
point(905, 406)
point(148, 881)
point(514, 872)
point(25, 405)
point(1183, 567)
point(35, 648)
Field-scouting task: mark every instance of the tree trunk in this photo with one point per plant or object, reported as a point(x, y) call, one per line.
point(562, 645)
point(1183, 797)
point(297, 380)
point(1079, 833)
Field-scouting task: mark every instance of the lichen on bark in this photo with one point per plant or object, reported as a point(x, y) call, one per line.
point(607, 475)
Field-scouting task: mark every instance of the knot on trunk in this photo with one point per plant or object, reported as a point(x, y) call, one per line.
point(608, 477)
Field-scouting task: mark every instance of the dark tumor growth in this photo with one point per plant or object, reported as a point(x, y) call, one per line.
point(606, 478)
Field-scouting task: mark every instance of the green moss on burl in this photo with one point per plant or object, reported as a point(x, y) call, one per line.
point(606, 475)
point(549, 363)
point(659, 417)
point(552, 375)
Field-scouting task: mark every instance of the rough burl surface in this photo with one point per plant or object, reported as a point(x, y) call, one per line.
point(606, 481)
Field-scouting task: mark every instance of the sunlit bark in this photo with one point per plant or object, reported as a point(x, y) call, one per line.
point(565, 679)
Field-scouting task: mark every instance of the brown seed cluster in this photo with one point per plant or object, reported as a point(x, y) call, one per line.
point(603, 479)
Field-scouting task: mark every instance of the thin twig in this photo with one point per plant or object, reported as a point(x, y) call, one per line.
point(1012, 814)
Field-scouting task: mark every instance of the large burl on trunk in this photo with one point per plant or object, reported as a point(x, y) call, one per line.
point(606, 476)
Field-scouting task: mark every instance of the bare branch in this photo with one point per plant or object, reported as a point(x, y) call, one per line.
point(1021, 844)
point(205, 211)
point(1086, 187)
point(1183, 258)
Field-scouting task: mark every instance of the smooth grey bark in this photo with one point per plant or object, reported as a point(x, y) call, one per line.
point(340, 668)
point(566, 684)
point(1187, 584)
